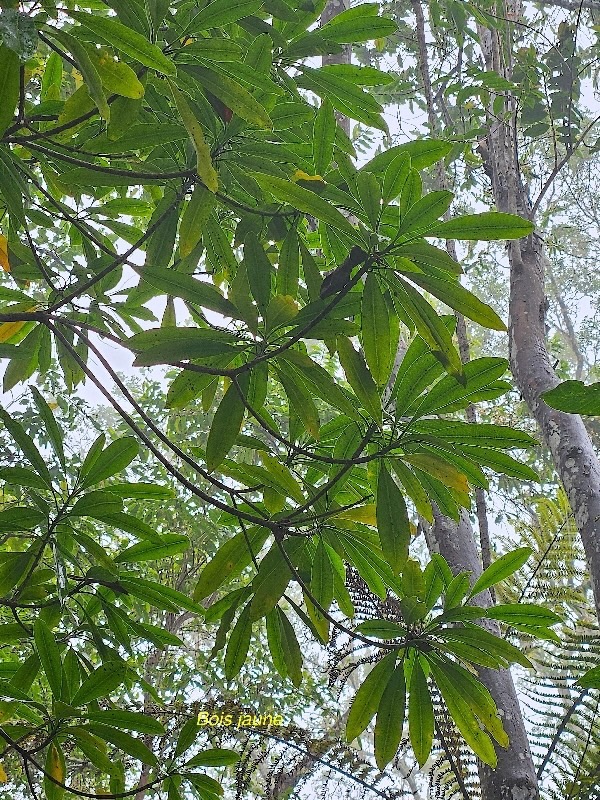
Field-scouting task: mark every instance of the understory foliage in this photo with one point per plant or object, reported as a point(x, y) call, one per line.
point(175, 186)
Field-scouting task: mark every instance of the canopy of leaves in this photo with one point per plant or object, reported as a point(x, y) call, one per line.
point(297, 296)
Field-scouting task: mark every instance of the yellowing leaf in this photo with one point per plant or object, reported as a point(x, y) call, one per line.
point(299, 175)
point(204, 166)
point(116, 76)
point(55, 768)
point(3, 775)
point(8, 329)
point(4, 254)
point(365, 514)
point(440, 469)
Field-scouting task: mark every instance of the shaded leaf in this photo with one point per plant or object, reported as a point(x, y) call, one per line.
point(127, 41)
point(368, 697)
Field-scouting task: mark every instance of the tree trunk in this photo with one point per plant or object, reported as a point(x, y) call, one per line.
point(514, 777)
point(564, 434)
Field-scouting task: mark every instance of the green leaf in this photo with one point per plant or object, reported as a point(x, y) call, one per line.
point(392, 521)
point(204, 165)
point(420, 714)
point(128, 744)
point(129, 720)
point(188, 385)
point(574, 398)
point(223, 12)
point(411, 191)
point(456, 590)
point(426, 255)
point(358, 24)
point(232, 95)
point(395, 176)
point(501, 568)
point(187, 736)
point(138, 137)
point(210, 50)
point(292, 654)
point(477, 637)
point(307, 202)
point(177, 284)
point(319, 381)
point(21, 519)
point(422, 152)
point(194, 218)
point(376, 333)
point(259, 270)
point(461, 711)
point(282, 477)
point(322, 583)
point(288, 268)
point(524, 614)
point(27, 446)
point(390, 718)
point(164, 345)
point(114, 459)
point(344, 95)
point(208, 787)
point(142, 491)
point(93, 748)
point(87, 69)
point(368, 697)
point(20, 476)
point(126, 41)
point(369, 194)
point(482, 434)
point(225, 426)
point(157, 594)
point(381, 629)
point(272, 578)
point(52, 429)
point(425, 212)
point(360, 75)
point(359, 378)
point(171, 544)
point(13, 568)
point(215, 757)
point(324, 129)
point(280, 312)
point(591, 679)
point(275, 641)
point(449, 395)
point(300, 400)
point(238, 645)
point(230, 560)
point(100, 682)
point(485, 227)
point(459, 298)
point(428, 324)
point(49, 656)
point(372, 568)
point(97, 504)
point(9, 85)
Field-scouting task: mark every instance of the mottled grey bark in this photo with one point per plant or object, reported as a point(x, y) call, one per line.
point(565, 434)
point(514, 777)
